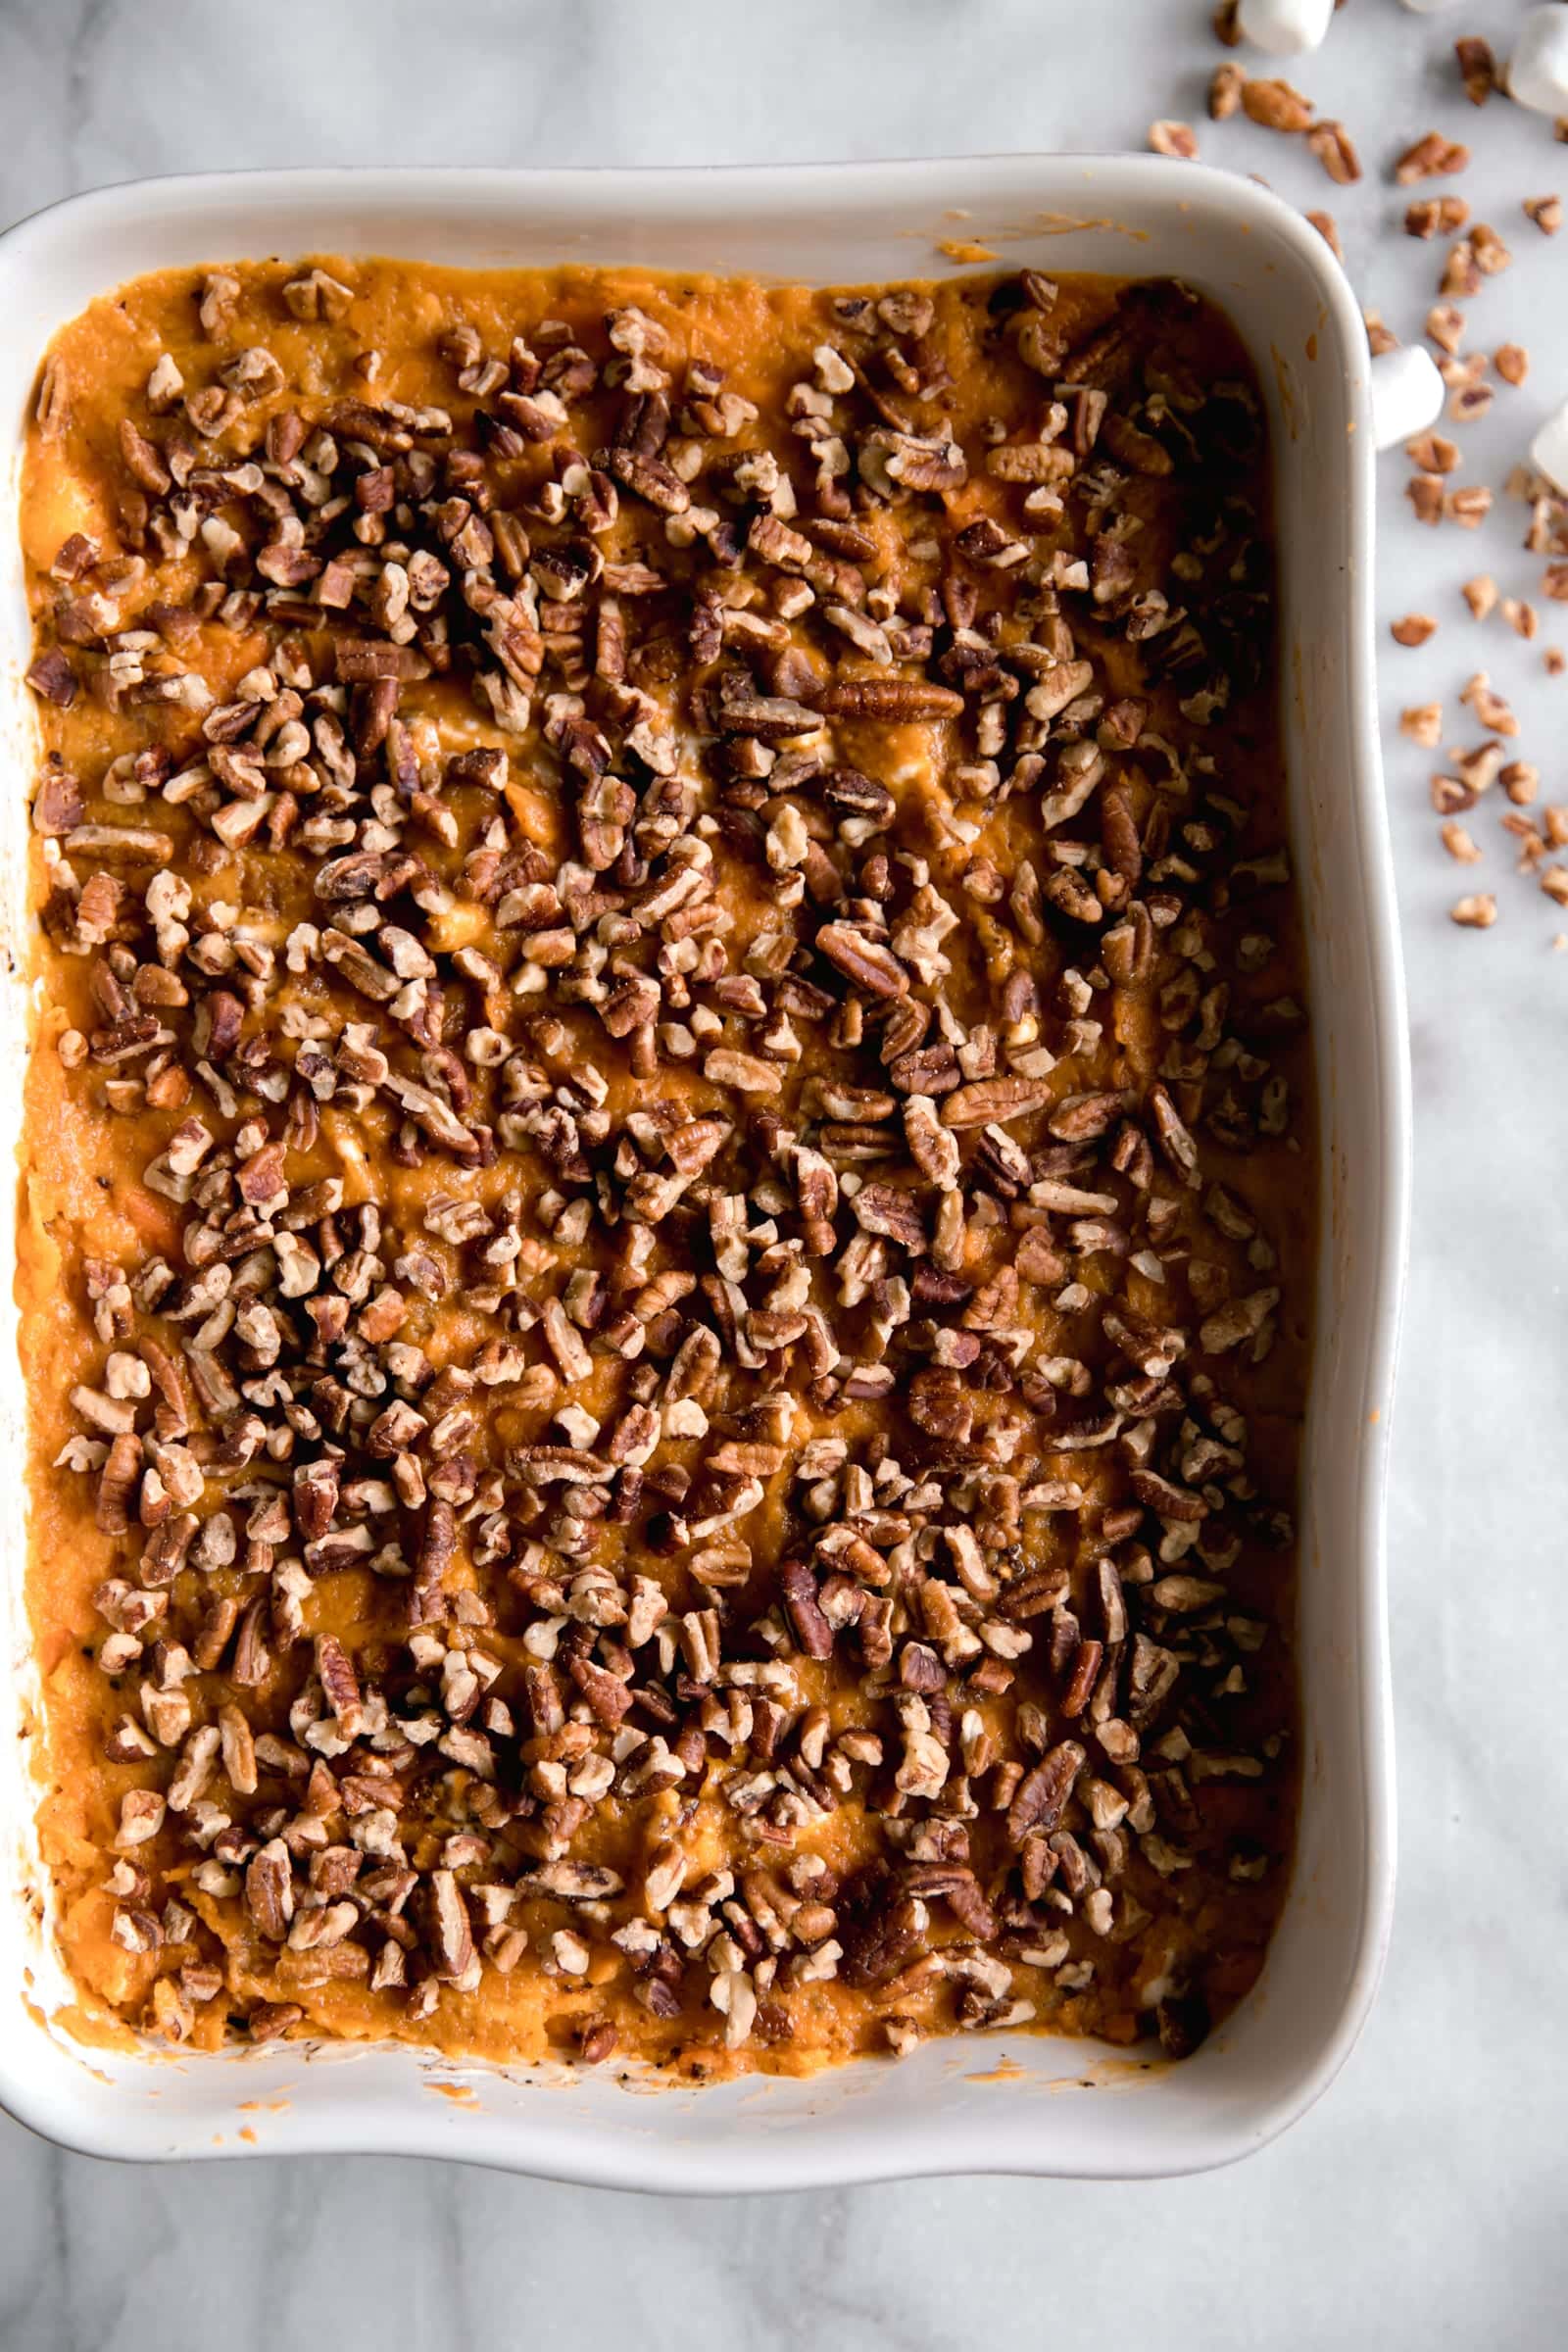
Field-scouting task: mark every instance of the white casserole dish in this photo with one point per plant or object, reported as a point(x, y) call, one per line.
point(960, 2105)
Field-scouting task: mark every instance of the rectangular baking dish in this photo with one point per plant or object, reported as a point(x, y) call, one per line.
point(1011, 2103)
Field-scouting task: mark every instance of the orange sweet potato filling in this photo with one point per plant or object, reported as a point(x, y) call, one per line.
point(1191, 1896)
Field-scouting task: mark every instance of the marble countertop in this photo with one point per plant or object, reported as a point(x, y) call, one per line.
point(1422, 2202)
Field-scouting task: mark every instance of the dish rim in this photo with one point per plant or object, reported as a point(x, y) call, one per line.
point(803, 2160)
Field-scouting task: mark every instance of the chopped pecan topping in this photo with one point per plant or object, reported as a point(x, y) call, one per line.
point(691, 971)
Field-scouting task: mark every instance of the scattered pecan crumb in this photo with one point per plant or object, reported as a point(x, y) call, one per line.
point(1480, 593)
point(1173, 138)
point(1478, 68)
point(1512, 362)
point(1274, 105)
point(1458, 844)
point(1331, 143)
point(1425, 493)
point(1466, 369)
point(1436, 215)
point(1488, 706)
point(1445, 326)
point(1532, 842)
point(1546, 212)
point(1413, 628)
point(1468, 507)
point(1461, 273)
point(1477, 913)
point(1432, 157)
point(1328, 229)
point(1433, 453)
point(1422, 722)
point(1469, 402)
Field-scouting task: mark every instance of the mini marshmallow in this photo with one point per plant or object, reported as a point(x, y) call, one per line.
point(1285, 27)
point(1407, 394)
point(1549, 451)
point(1538, 71)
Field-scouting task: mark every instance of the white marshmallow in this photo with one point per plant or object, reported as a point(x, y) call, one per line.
point(1407, 394)
point(1538, 71)
point(1549, 451)
point(1285, 27)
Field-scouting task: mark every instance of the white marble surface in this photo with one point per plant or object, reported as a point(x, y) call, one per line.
point(1423, 2203)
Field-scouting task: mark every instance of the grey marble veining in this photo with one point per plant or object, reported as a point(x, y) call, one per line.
point(1423, 2202)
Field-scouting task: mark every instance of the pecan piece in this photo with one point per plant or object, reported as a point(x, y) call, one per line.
point(340, 1684)
point(878, 1928)
point(269, 1891)
point(811, 1630)
point(1432, 157)
point(1041, 1796)
point(267, 2021)
point(51, 675)
point(118, 1483)
point(448, 1927)
point(866, 962)
point(895, 700)
point(1275, 106)
point(995, 1100)
point(609, 1697)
